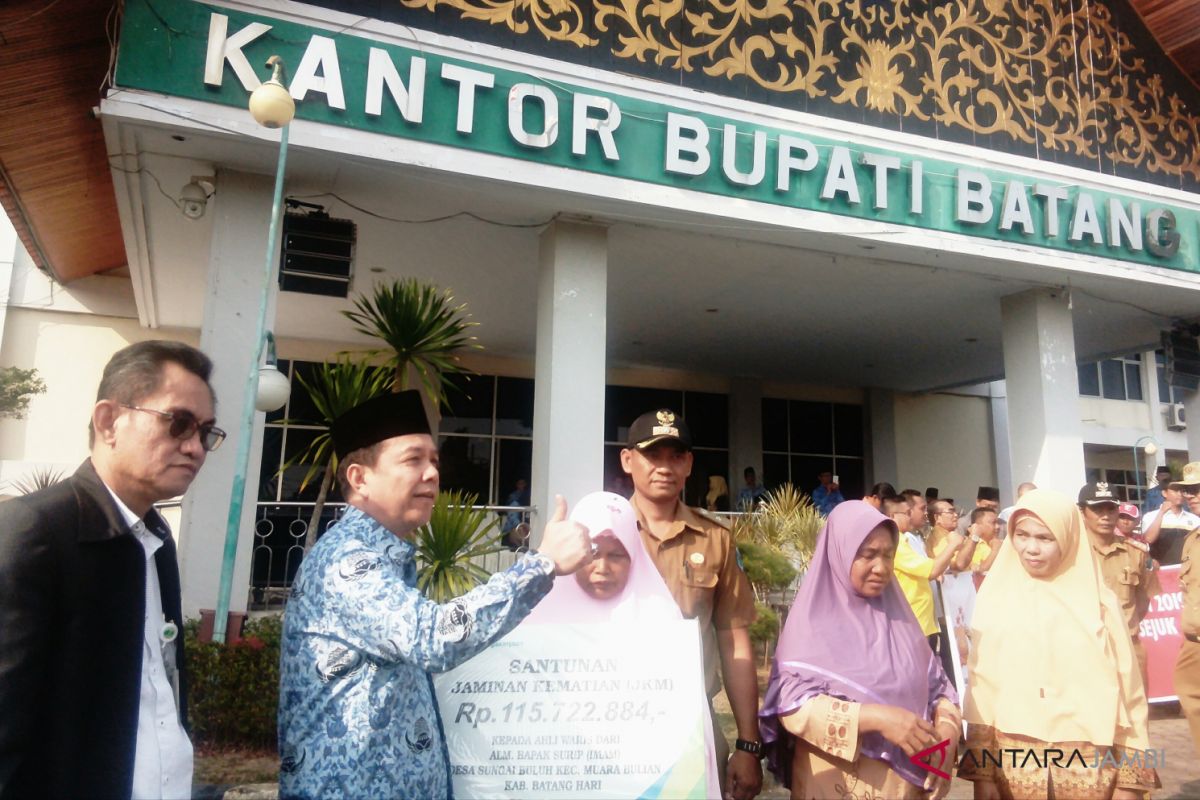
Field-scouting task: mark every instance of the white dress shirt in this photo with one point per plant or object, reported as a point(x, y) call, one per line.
point(162, 765)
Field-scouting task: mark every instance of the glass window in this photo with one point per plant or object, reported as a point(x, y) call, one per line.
point(810, 426)
point(514, 462)
point(514, 407)
point(295, 443)
point(704, 464)
point(850, 476)
point(466, 464)
point(1160, 370)
point(707, 417)
point(300, 407)
point(832, 436)
point(776, 472)
point(1133, 380)
point(848, 429)
point(1089, 380)
point(468, 405)
point(774, 425)
point(1112, 380)
point(272, 457)
point(624, 404)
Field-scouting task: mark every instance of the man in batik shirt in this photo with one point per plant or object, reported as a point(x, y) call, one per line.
point(357, 714)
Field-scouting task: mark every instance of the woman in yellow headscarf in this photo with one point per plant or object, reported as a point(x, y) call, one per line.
point(1055, 705)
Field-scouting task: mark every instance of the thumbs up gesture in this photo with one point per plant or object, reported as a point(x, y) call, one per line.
point(564, 542)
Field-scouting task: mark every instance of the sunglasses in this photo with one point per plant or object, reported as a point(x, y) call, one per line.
point(184, 426)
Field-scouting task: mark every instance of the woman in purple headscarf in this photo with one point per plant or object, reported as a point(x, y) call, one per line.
point(856, 690)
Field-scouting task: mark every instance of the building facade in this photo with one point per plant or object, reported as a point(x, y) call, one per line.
point(910, 242)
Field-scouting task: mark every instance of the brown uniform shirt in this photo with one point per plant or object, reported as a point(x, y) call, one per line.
point(1123, 567)
point(698, 561)
point(1189, 582)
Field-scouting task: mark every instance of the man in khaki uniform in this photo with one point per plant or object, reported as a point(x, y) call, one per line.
point(1122, 564)
point(697, 558)
point(1187, 668)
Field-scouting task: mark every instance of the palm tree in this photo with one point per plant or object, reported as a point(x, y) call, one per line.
point(334, 389)
point(422, 327)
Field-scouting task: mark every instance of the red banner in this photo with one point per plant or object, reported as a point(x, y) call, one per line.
point(1161, 636)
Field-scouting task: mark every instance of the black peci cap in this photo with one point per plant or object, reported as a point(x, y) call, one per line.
point(662, 425)
point(377, 419)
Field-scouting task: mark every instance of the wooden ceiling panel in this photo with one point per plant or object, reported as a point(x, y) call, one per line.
point(57, 187)
point(1176, 26)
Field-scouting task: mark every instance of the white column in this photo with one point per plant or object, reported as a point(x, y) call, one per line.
point(745, 433)
point(242, 213)
point(1191, 410)
point(998, 398)
point(1045, 437)
point(568, 402)
point(884, 461)
point(1158, 423)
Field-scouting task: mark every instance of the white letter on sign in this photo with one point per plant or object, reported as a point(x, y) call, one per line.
point(694, 145)
point(1016, 209)
point(516, 115)
point(758, 164)
point(381, 71)
point(222, 48)
point(789, 162)
point(467, 79)
point(882, 165)
point(320, 54)
point(840, 176)
point(604, 125)
point(1086, 221)
point(974, 197)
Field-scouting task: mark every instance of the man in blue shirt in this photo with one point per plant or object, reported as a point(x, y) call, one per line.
point(357, 711)
point(751, 493)
point(827, 495)
point(1154, 497)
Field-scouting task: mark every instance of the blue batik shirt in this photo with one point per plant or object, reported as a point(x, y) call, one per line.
point(357, 714)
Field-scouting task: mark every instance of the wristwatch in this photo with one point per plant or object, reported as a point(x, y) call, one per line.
point(753, 748)
point(976, 538)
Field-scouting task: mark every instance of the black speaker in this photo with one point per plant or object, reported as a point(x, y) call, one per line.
point(317, 256)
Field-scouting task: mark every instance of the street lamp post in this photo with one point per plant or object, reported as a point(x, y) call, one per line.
point(1150, 449)
point(273, 107)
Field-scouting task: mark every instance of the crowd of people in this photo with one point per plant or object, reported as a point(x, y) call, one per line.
point(912, 618)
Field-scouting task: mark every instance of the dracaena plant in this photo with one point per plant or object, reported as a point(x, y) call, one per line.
point(333, 389)
point(424, 329)
point(449, 546)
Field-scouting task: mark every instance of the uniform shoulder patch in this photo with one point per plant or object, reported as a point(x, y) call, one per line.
point(709, 516)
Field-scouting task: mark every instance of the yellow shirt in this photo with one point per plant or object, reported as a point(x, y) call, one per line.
point(982, 551)
point(912, 572)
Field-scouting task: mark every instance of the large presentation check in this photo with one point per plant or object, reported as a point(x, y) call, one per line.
point(580, 711)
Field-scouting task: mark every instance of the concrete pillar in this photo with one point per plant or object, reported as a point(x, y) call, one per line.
point(883, 461)
point(1045, 436)
point(1191, 410)
point(1158, 423)
point(242, 211)
point(998, 399)
point(745, 432)
point(568, 401)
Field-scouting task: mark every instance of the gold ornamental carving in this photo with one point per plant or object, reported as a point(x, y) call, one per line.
point(1058, 76)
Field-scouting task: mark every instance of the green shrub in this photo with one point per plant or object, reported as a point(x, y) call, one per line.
point(233, 691)
point(764, 629)
point(766, 568)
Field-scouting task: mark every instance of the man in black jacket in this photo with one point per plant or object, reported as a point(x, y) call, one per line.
point(91, 700)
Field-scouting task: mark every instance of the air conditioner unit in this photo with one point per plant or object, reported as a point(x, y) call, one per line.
point(1176, 419)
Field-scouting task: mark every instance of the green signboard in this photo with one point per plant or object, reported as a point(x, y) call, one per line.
point(213, 54)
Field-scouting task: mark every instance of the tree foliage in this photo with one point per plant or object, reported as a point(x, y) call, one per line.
point(423, 329)
point(17, 386)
